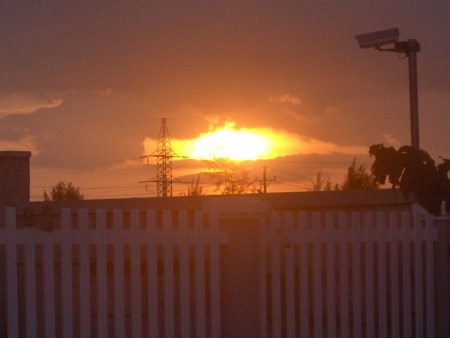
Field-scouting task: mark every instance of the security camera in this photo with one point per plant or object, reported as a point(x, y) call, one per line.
point(378, 39)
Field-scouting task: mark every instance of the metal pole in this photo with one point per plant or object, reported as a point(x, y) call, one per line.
point(413, 47)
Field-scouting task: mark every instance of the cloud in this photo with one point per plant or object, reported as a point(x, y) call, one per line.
point(286, 98)
point(26, 103)
point(26, 143)
point(391, 140)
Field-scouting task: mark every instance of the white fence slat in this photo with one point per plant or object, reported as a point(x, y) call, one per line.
point(317, 276)
point(119, 281)
point(185, 320)
point(370, 281)
point(343, 275)
point(330, 274)
point(304, 287)
point(30, 290)
point(418, 283)
point(199, 263)
point(84, 275)
point(215, 277)
point(262, 274)
point(394, 274)
point(290, 283)
point(356, 274)
point(152, 275)
point(101, 274)
point(66, 274)
point(136, 289)
point(169, 300)
point(12, 300)
point(382, 279)
point(49, 290)
point(429, 293)
point(275, 269)
point(406, 275)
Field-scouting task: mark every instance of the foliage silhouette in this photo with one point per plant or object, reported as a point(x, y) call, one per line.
point(415, 173)
point(63, 191)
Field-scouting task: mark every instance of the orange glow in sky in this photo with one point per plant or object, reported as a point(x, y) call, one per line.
point(234, 144)
point(241, 144)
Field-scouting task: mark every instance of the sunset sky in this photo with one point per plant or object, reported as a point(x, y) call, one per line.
point(83, 84)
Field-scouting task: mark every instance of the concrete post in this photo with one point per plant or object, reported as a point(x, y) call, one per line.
point(14, 178)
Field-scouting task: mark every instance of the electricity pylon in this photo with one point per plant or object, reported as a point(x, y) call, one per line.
point(164, 155)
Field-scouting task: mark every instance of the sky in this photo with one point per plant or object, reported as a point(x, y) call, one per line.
point(84, 84)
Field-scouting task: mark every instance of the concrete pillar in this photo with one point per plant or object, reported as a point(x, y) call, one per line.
point(240, 276)
point(14, 178)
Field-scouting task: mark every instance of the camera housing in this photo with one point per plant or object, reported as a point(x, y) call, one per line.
point(378, 38)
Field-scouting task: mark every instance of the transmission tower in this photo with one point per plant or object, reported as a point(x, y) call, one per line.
point(164, 155)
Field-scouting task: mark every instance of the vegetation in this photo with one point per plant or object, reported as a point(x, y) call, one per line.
point(63, 191)
point(320, 183)
point(194, 189)
point(415, 173)
point(357, 178)
point(230, 177)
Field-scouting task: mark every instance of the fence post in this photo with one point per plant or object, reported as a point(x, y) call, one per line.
point(240, 279)
point(442, 277)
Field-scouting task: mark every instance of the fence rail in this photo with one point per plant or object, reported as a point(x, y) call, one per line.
point(165, 273)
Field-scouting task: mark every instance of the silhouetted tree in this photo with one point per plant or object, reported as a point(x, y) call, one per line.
point(194, 189)
point(230, 177)
point(357, 178)
point(320, 183)
point(63, 191)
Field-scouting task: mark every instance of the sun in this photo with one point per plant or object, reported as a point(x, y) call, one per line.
point(232, 143)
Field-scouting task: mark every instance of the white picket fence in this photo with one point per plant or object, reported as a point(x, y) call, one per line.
point(158, 274)
point(348, 275)
point(105, 268)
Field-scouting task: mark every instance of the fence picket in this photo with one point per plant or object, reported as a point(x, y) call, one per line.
point(101, 274)
point(169, 310)
point(30, 290)
point(394, 274)
point(418, 271)
point(290, 282)
point(200, 301)
point(330, 275)
point(67, 274)
point(152, 275)
point(119, 282)
point(356, 274)
point(275, 274)
point(406, 275)
point(49, 290)
point(343, 275)
point(215, 275)
point(369, 275)
point(317, 276)
point(304, 286)
point(382, 282)
point(185, 322)
point(429, 261)
point(135, 274)
point(84, 275)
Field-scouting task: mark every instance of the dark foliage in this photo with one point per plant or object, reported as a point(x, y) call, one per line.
point(415, 173)
point(63, 191)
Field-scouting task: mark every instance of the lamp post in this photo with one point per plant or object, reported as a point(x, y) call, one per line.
point(410, 47)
